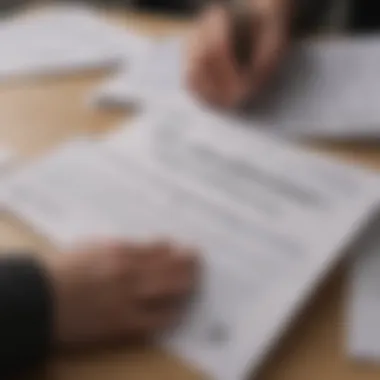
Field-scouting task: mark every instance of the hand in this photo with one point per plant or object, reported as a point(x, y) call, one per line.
point(212, 72)
point(115, 290)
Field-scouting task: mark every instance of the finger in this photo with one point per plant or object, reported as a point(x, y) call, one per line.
point(269, 48)
point(206, 77)
point(197, 48)
point(137, 321)
point(167, 251)
point(208, 89)
point(232, 77)
point(199, 71)
point(172, 276)
point(181, 273)
point(151, 264)
point(108, 244)
point(213, 75)
point(193, 55)
point(151, 322)
point(226, 71)
point(157, 250)
point(158, 312)
point(120, 263)
point(200, 84)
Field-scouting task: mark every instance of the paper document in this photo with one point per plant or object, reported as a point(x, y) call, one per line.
point(270, 220)
point(62, 39)
point(363, 317)
point(6, 157)
point(155, 77)
point(327, 89)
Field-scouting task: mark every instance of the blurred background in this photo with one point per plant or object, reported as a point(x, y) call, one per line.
point(182, 6)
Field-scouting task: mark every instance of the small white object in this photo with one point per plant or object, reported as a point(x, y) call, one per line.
point(270, 220)
point(62, 39)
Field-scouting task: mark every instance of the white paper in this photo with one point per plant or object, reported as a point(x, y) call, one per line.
point(327, 89)
point(7, 156)
point(363, 317)
point(62, 39)
point(156, 76)
point(269, 219)
point(7, 159)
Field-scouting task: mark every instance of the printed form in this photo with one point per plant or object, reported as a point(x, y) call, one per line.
point(269, 219)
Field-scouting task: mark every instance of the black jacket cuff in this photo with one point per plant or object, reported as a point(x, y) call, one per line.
point(25, 314)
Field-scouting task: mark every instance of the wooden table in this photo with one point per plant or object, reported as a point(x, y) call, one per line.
point(38, 115)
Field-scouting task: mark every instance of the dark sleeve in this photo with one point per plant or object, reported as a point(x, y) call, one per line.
point(25, 315)
point(309, 14)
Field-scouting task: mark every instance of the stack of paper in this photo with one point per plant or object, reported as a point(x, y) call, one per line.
point(325, 89)
point(270, 219)
point(63, 39)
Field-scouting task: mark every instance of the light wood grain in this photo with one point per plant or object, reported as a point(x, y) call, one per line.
point(38, 115)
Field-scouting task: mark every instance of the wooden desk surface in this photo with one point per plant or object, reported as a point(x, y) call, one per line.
point(36, 116)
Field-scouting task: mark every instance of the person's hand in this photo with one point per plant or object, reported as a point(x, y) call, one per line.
point(212, 72)
point(115, 290)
